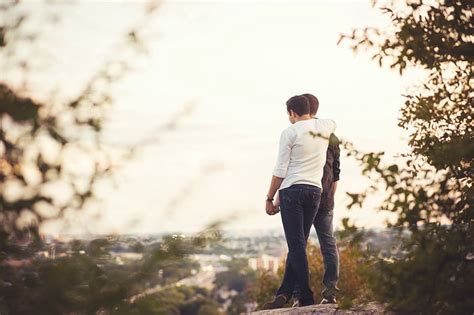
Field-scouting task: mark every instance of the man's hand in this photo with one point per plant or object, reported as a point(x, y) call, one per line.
point(276, 203)
point(272, 191)
point(270, 208)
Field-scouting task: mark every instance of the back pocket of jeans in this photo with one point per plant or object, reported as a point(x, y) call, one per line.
point(289, 196)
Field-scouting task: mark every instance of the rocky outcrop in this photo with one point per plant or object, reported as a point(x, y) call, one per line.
point(327, 309)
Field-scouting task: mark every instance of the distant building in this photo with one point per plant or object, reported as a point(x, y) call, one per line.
point(264, 262)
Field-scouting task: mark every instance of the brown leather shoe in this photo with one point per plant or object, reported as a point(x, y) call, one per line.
point(278, 302)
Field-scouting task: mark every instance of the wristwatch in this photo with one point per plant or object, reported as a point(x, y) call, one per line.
point(269, 199)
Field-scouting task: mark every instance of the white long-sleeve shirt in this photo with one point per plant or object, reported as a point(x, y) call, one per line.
point(301, 155)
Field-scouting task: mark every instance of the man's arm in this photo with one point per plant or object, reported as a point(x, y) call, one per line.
point(336, 165)
point(284, 151)
point(281, 168)
point(274, 185)
point(270, 207)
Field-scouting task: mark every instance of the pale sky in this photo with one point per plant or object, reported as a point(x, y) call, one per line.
point(237, 62)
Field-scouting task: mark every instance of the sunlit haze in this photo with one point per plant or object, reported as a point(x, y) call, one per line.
point(233, 64)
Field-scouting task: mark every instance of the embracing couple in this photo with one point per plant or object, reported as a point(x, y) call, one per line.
point(302, 189)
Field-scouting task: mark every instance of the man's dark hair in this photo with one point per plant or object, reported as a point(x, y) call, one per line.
point(313, 103)
point(299, 104)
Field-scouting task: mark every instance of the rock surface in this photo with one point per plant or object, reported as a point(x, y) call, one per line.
point(327, 309)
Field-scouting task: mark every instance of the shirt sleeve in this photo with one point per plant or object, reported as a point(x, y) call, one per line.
point(332, 125)
point(284, 151)
point(336, 166)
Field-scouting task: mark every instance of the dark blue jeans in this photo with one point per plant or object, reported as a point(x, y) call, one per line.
point(327, 242)
point(298, 207)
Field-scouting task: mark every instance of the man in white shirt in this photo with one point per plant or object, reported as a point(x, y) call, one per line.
point(297, 176)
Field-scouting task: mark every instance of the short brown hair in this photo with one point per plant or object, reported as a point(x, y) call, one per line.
point(299, 104)
point(313, 103)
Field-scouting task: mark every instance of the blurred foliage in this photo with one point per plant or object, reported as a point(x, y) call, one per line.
point(355, 266)
point(265, 286)
point(173, 300)
point(238, 276)
point(86, 283)
point(37, 141)
point(237, 279)
point(430, 189)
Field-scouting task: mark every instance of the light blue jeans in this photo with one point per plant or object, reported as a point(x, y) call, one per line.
point(327, 242)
